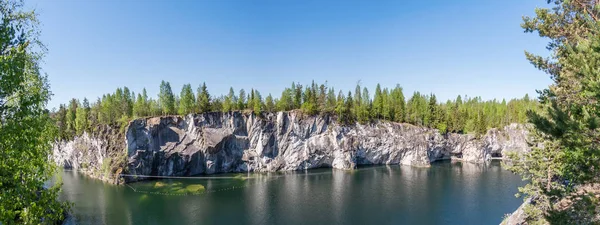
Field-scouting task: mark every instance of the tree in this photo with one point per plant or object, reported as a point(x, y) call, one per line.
point(257, 103)
point(348, 117)
point(309, 105)
point(387, 108)
point(297, 89)
point(217, 104)
point(567, 127)
point(433, 112)
point(399, 104)
point(331, 102)
point(81, 118)
point(365, 106)
point(378, 103)
point(340, 107)
point(269, 104)
point(187, 101)
point(203, 99)
point(230, 102)
point(71, 114)
point(61, 122)
point(286, 101)
point(356, 110)
point(242, 100)
point(166, 99)
point(26, 130)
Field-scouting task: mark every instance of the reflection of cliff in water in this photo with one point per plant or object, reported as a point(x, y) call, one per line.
point(445, 193)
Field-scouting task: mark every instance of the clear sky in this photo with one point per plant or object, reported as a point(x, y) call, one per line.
point(467, 47)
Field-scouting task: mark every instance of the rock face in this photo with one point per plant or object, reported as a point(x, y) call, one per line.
point(236, 142)
point(99, 156)
point(518, 217)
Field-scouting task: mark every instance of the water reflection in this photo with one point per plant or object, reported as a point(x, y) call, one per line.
point(446, 193)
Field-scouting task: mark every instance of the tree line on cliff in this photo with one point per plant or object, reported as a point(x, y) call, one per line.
point(461, 115)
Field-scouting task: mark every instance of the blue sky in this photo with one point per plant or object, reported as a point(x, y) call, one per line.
point(468, 47)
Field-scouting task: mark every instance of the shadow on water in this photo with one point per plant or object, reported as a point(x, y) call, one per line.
point(445, 193)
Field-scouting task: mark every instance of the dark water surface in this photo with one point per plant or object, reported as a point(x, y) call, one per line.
point(445, 193)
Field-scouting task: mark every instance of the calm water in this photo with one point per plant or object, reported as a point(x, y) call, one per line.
point(446, 193)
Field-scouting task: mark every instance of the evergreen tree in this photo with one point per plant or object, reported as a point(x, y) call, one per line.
point(251, 99)
point(71, 115)
point(568, 125)
point(166, 99)
point(340, 107)
point(434, 118)
point(399, 104)
point(331, 101)
point(187, 101)
point(62, 122)
point(269, 104)
point(242, 100)
point(81, 117)
point(230, 102)
point(378, 103)
point(348, 117)
point(257, 103)
point(216, 104)
point(297, 95)
point(203, 99)
point(365, 106)
point(387, 109)
point(138, 107)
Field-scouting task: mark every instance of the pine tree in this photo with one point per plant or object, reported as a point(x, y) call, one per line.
point(257, 103)
point(331, 101)
point(568, 125)
point(365, 107)
point(377, 103)
point(71, 115)
point(187, 101)
point(387, 109)
point(81, 118)
point(242, 100)
point(269, 104)
point(203, 99)
point(297, 95)
point(399, 104)
point(348, 116)
point(166, 99)
point(434, 118)
point(340, 107)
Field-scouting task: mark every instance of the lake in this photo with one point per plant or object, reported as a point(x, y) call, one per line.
point(445, 193)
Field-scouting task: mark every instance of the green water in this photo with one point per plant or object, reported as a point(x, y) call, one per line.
point(445, 193)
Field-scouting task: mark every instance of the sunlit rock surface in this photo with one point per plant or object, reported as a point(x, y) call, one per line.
point(238, 142)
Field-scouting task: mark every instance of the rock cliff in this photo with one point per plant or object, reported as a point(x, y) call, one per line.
point(237, 142)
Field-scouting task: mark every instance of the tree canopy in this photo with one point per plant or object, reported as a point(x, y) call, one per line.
point(462, 115)
point(26, 130)
point(567, 158)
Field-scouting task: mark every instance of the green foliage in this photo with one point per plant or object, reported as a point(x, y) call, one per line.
point(166, 98)
point(269, 104)
point(241, 101)
point(81, 118)
point(567, 125)
point(471, 115)
point(26, 130)
point(257, 103)
point(187, 101)
point(203, 99)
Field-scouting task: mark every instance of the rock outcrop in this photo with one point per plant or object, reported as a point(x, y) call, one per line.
point(237, 142)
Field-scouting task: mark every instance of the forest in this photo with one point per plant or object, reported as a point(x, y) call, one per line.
point(461, 115)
